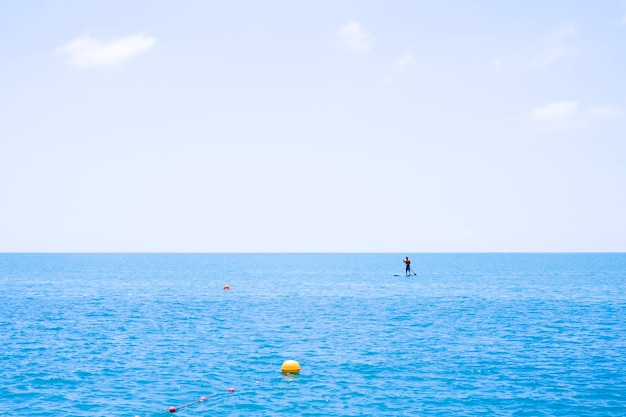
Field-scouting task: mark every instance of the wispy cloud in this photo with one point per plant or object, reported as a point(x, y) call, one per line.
point(549, 54)
point(352, 36)
point(567, 29)
point(88, 52)
point(567, 114)
point(399, 66)
point(544, 52)
point(605, 112)
point(554, 47)
point(623, 21)
point(403, 63)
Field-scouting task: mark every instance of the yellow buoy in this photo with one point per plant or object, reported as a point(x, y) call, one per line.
point(290, 367)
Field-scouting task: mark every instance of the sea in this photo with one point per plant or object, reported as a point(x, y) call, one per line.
point(206, 334)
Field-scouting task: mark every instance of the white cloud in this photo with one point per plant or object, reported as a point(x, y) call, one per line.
point(623, 22)
point(354, 37)
point(86, 52)
point(555, 111)
point(565, 114)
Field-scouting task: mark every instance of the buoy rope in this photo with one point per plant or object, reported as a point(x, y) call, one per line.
point(175, 409)
point(201, 399)
point(180, 407)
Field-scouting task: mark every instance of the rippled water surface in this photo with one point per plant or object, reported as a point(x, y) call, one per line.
point(471, 334)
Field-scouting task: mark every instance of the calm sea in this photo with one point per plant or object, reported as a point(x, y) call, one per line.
point(471, 334)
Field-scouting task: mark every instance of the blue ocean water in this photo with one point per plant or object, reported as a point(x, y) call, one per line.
point(471, 334)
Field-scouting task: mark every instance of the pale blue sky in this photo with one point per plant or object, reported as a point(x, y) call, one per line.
point(322, 126)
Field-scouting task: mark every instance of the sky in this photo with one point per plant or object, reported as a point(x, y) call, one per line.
point(312, 126)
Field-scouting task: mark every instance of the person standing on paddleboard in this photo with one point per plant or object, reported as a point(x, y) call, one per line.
point(407, 261)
